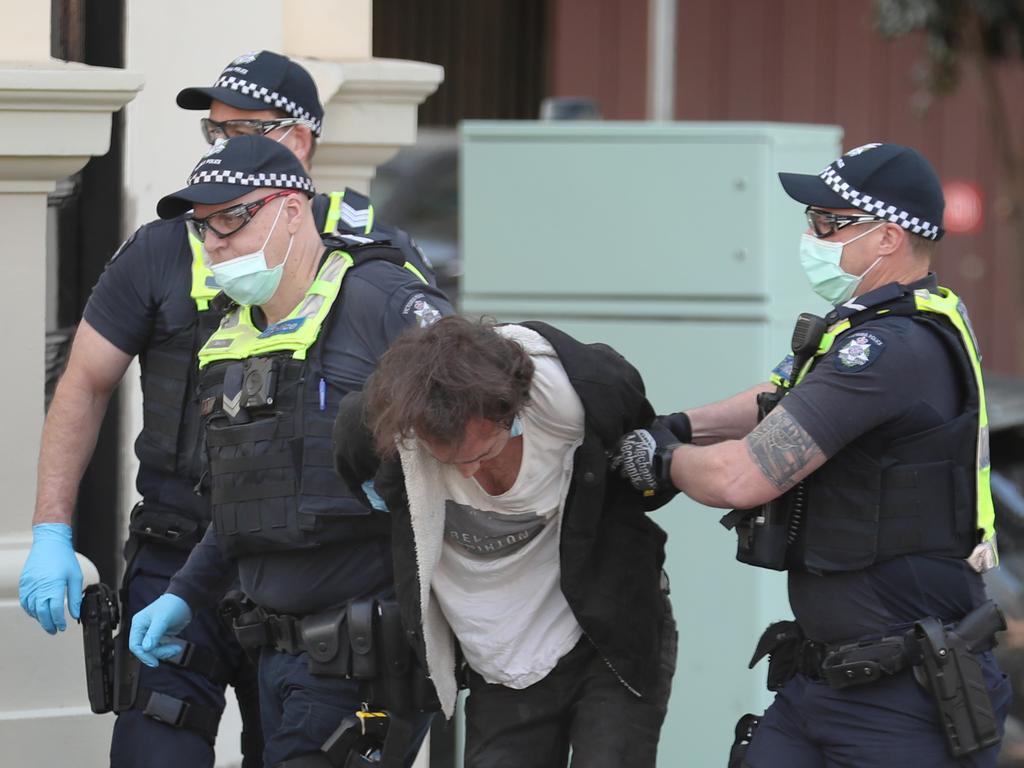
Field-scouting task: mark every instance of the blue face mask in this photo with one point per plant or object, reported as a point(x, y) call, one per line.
point(517, 427)
point(247, 279)
point(820, 261)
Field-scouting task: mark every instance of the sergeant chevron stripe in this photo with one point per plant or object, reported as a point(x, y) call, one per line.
point(232, 405)
point(354, 217)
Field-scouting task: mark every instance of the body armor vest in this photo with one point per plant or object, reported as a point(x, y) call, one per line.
point(170, 439)
point(925, 493)
point(269, 414)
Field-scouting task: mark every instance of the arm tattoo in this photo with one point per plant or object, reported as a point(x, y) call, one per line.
point(781, 448)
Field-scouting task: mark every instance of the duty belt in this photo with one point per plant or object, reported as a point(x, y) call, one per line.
point(339, 642)
point(845, 666)
point(944, 659)
point(841, 665)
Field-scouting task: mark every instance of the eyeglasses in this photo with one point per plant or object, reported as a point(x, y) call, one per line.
point(228, 221)
point(825, 223)
point(213, 130)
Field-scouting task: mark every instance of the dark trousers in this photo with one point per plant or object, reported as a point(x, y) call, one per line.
point(888, 723)
point(300, 710)
point(140, 741)
point(580, 704)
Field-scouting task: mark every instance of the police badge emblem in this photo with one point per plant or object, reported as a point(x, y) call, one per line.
point(245, 58)
point(859, 351)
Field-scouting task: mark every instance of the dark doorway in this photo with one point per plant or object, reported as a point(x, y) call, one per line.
point(493, 53)
point(86, 219)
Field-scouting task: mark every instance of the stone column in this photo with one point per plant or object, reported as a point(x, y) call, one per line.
point(371, 104)
point(53, 117)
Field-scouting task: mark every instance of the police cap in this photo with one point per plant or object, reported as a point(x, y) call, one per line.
point(892, 182)
point(231, 168)
point(261, 80)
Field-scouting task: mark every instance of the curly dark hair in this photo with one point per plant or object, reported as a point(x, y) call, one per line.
point(433, 380)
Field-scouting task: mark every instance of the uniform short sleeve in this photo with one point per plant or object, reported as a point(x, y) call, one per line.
point(379, 300)
point(872, 376)
point(127, 297)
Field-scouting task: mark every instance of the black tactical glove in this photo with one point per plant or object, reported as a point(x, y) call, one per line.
point(644, 456)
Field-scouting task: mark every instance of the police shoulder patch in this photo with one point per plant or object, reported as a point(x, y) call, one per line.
point(858, 351)
point(425, 312)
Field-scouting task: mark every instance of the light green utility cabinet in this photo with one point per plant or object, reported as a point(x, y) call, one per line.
point(675, 244)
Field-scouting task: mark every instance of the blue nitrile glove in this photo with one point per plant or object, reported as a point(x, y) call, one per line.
point(154, 627)
point(51, 570)
point(373, 497)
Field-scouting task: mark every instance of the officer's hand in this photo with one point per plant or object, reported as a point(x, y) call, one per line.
point(51, 570)
point(644, 456)
point(153, 629)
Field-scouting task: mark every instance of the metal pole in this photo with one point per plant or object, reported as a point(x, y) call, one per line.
point(661, 59)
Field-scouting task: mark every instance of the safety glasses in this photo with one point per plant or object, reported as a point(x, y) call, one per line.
point(228, 221)
point(214, 131)
point(824, 223)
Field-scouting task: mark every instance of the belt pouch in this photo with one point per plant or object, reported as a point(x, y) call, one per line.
point(326, 642)
point(360, 634)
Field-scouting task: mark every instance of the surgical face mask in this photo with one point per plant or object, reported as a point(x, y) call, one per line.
point(247, 279)
point(516, 429)
point(820, 260)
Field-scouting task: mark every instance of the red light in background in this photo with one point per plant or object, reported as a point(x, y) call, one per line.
point(964, 207)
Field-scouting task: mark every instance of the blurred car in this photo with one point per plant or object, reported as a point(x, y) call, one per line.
point(1005, 396)
point(418, 190)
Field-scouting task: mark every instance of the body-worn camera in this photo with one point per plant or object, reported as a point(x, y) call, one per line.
point(259, 382)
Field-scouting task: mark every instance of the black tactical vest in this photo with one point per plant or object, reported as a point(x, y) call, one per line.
point(874, 501)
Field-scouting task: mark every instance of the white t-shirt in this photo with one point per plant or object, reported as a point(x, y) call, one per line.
point(498, 580)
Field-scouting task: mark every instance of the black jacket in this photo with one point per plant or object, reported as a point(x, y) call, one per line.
point(611, 552)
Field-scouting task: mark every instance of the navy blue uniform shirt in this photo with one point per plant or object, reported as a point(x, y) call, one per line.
point(901, 382)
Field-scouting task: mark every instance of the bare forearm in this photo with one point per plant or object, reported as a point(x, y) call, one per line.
point(741, 474)
point(708, 474)
point(729, 419)
point(69, 437)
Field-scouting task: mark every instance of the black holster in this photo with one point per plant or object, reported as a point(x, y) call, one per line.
point(787, 651)
point(100, 617)
point(952, 673)
point(746, 727)
point(111, 670)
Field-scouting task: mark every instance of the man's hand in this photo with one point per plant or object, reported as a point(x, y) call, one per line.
point(154, 627)
point(51, 570)
point(644, 456)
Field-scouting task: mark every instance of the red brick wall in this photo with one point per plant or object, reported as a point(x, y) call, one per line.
point(815, 61)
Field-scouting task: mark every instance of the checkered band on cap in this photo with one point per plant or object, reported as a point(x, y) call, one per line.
point(273, 180)
point(273, 98)
point(877, 207)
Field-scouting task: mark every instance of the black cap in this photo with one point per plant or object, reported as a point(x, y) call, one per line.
point(889, 181)
point(259, 81)
point(232, 168)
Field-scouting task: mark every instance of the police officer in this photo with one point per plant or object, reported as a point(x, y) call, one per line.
point(311, 319)
point(155, 300)
point(868, 480)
